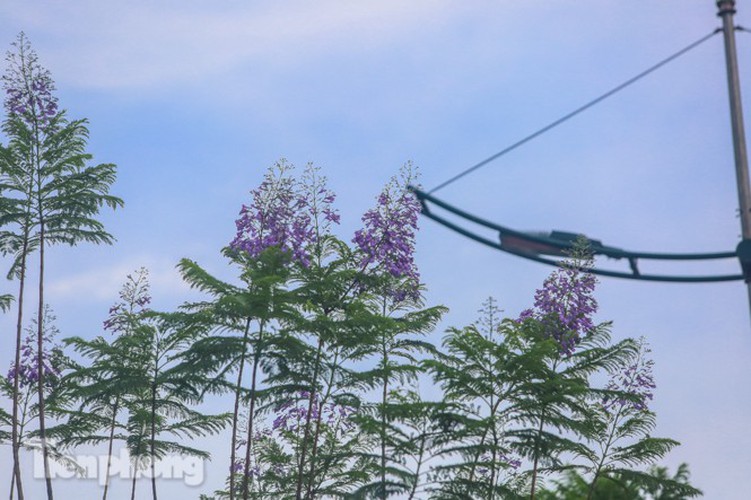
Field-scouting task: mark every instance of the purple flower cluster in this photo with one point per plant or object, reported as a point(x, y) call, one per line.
point(28, 86)
point(387, 239)
point(505, 461)
point(318, 201)
point(286, 213)
point(291, 415)
point(565, 305)
point(513, 463)
point(134, 299)
point(637, 380)
point(239, 466)
point(29, 369)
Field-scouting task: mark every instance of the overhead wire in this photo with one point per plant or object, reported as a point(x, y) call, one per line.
point(579, 110)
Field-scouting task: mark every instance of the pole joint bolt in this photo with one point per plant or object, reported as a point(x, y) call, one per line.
point(743, 250)
point(725, 7)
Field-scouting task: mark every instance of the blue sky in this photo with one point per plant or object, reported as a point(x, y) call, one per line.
point(194, 100)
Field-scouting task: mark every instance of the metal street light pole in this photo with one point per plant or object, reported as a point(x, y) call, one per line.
point(726, 9)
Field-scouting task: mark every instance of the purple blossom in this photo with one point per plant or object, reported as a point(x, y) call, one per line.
point(239, 466)
point(513, 463)
point(134, 299)
point(387, 240)
point(291, 415)
point(286, 213)
point(29, 369)
point(636, 379)
point(28, 86)
point(503, 460)
point(565, 304)
point(318, 200)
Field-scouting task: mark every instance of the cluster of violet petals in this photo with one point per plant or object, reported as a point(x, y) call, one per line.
point(37, 102)
point(565, 305)
point(28, 371)
point(291, 416)
point(29, 96)
point(506, 461)
point(285, 214)
point(387, 239)
point(636, 379)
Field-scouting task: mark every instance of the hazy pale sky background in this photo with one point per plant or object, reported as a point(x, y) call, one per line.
point(194, 100)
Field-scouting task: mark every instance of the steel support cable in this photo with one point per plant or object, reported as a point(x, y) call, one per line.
point(579, 110)
point(607, 251)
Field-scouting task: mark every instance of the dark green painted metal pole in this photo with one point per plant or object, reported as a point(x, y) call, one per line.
point(726, 10)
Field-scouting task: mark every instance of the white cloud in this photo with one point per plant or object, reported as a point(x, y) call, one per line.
point(142, 44)
point(104, 282)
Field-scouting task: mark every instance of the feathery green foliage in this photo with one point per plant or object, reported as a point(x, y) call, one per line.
point(397, 352)
point(234, 309)
point(622, 424)
point(656, 484)
point(489, 372)
point(163, 389)
point(92, 397)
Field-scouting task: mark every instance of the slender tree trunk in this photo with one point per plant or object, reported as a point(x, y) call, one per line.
point(493, 410)
point(537, 456)
point(15, 439)
point(12, 484)
point(109, 447)
point(605, 451)
point(314, 451)
point(21, 427)
point(306, 434)
point(319, 417)
point(384, 395)
point(133, 484)
point(40, 363)
point(537, 442)
point(420, 455)
point(152, 447)
point(251, 414)
point(236, 412)
point(593, 485)
point(314, 455)
point(482, 440)
point(137, 460)
point(493, 462)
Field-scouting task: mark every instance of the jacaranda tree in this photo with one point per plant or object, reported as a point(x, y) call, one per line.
point(95, 393)
point(52, 194)
point(392, 291)
point(26, 376)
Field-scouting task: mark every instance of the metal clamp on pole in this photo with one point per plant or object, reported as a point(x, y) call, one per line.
point(744, 256)
point(725, 7)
